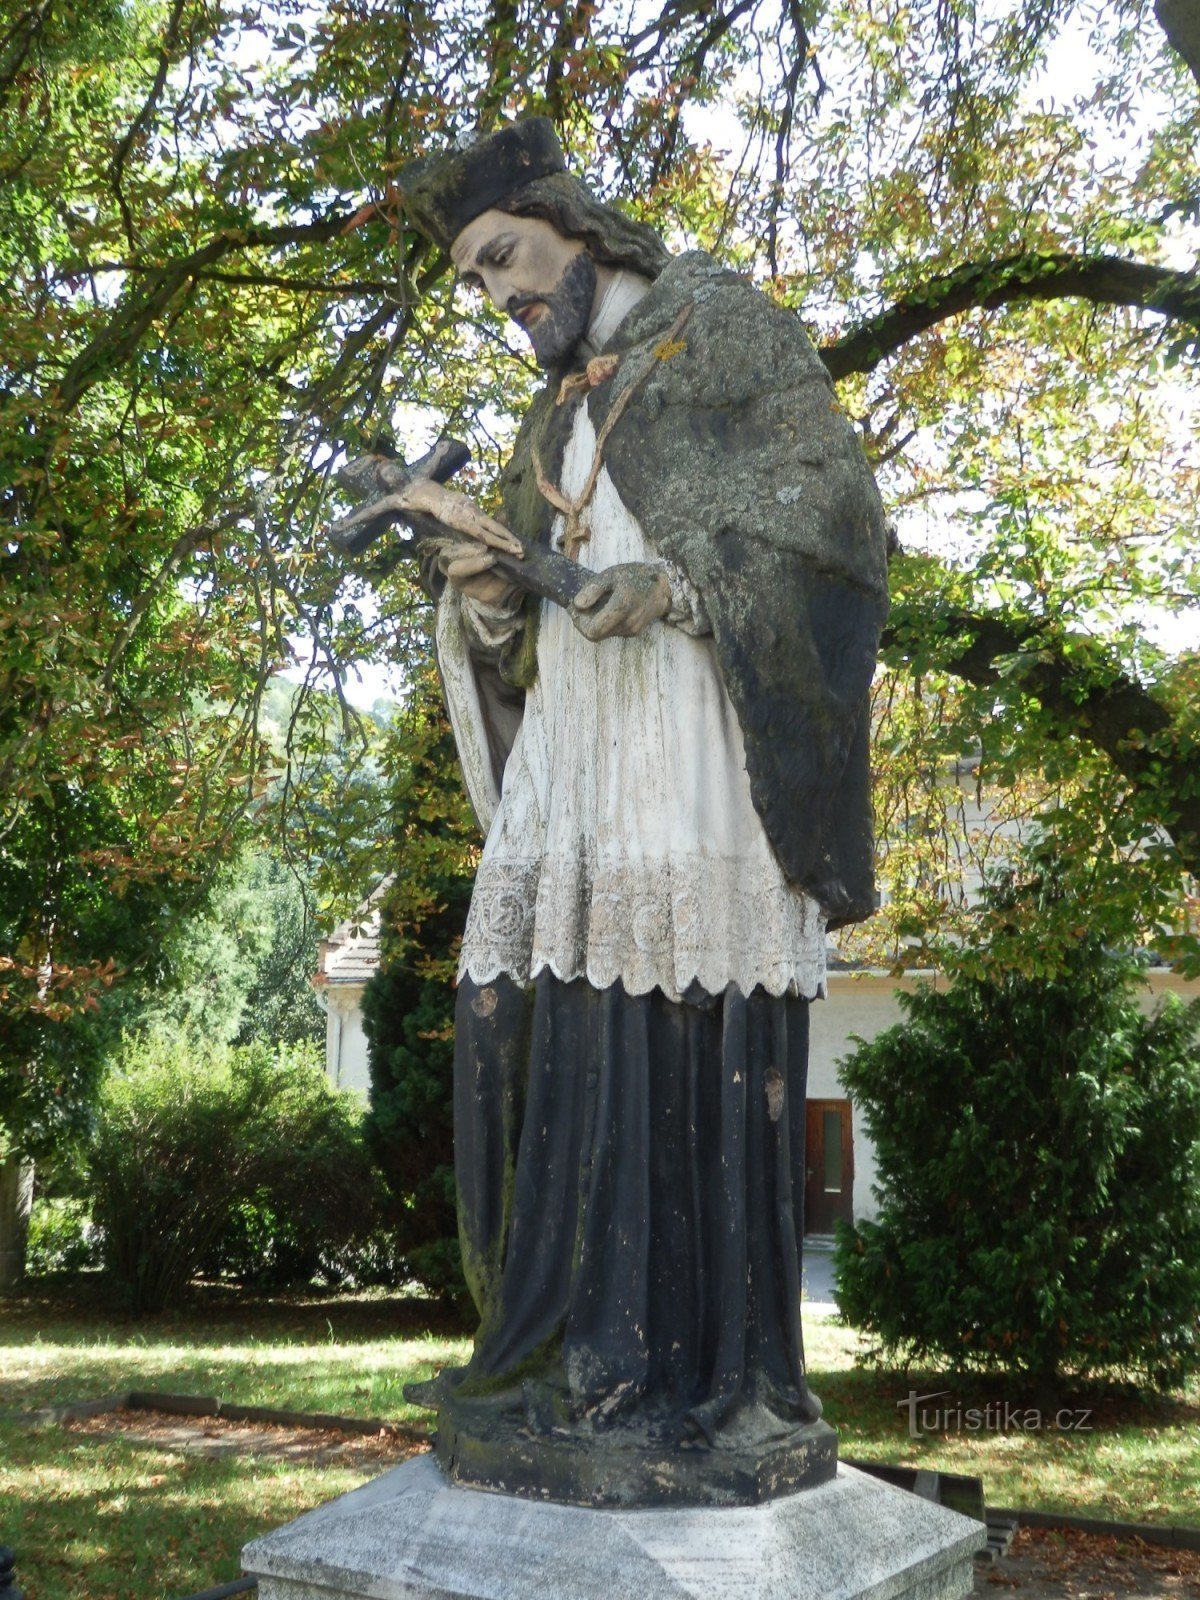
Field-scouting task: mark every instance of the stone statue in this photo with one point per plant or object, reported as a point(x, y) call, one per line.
point(672, 774)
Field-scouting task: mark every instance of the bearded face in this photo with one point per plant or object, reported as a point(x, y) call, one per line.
point(545, 282)
point(559, 319)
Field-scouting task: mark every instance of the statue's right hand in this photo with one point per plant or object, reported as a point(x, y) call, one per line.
point(468, 566)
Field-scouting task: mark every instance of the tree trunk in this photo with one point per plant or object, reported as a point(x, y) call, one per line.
point(1180, 21)
point(16, 1201)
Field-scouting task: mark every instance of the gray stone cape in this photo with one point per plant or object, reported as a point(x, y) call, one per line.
point(743, 471)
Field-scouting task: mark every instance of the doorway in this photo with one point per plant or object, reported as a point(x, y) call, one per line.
point(829, 1165)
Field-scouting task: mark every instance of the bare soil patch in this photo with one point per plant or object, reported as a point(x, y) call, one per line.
point(1045, 1564)
point(214, 1436)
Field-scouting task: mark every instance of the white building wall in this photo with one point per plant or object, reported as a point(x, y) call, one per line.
point(862, 1003)
point(345, 1042)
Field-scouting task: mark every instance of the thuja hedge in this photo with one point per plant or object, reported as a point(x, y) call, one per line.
point(408, 1018)
point(1037, 1147)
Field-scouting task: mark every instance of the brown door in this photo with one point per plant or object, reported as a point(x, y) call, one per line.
point(829, 1166)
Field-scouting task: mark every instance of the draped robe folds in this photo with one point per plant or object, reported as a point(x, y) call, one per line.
point(630, 1152)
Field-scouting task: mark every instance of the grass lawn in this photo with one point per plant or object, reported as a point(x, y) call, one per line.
point(1137, 1459)
point(98, 1519)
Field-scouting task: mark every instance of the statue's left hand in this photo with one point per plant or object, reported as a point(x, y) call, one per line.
point(622, 600)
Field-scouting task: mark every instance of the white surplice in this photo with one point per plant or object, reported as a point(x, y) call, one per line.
point(624, 844)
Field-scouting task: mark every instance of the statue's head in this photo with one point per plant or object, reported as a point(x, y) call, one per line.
point(520, 227)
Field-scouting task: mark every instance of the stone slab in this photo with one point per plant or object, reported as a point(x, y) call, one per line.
point(412, 1535)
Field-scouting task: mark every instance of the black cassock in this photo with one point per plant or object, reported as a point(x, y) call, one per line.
point(631, 1180)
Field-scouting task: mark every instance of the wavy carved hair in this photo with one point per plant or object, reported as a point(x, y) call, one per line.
point(612, 238)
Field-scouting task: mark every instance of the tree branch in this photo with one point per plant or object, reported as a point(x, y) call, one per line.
point(182, 549)
point(128, 323)
point(500, 32)
point(1104, 280)
point(141, 122)
point(1105, 707)
point(574, 23)
point(21, 38)
point(386, 287)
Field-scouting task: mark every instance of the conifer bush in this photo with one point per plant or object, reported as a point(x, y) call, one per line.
point(1037, 1143)
point(408, 1006)
point(408, 1017)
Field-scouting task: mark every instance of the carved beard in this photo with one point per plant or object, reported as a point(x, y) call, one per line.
point(568, 311)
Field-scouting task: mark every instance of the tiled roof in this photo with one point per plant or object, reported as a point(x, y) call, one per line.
point(351, 953)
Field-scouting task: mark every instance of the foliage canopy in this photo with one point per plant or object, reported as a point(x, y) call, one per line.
point(986, 214)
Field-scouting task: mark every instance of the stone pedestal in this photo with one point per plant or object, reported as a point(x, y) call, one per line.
point(412, 1535)
point(760, 1457)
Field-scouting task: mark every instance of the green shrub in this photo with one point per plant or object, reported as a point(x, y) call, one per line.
point(266, 1245)
point(1037, 1144)
point(59, 1238)
point(371, 1260)
point(188, 1142)
point(408, 1006)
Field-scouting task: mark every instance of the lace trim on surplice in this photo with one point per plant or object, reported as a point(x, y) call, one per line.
point(658, 925)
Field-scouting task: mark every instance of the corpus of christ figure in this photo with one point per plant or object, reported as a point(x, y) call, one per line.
point(672, 777)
